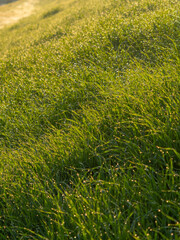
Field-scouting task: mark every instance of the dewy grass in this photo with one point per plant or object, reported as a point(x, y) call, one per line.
point(89, 122)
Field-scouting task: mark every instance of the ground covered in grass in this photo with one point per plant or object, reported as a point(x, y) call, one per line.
point(90, 121)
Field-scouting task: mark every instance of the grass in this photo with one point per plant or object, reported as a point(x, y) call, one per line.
point(89, 122)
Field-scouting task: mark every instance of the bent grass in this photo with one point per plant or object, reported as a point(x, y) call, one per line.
point(90, 122)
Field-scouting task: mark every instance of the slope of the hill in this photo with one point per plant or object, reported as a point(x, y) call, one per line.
point(89, 121)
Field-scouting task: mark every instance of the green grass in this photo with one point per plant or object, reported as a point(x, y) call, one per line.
point(89, 122)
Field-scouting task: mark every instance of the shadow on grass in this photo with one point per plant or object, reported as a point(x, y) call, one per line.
point(52, 12)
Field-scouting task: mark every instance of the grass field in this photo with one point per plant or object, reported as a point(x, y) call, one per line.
point(90, 121)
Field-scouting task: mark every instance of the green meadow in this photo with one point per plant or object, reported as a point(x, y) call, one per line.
point(90, 121)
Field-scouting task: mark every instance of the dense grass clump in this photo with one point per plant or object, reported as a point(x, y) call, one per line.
point(90, 121)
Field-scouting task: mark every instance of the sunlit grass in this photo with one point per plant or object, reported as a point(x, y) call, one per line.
point(89, 122)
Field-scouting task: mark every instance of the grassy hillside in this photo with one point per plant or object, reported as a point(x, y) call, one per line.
point(90, 121)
